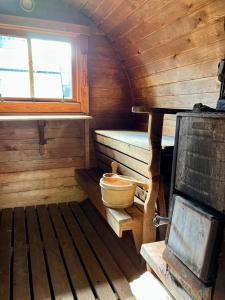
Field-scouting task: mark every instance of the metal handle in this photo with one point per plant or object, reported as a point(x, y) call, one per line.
point(160, 221)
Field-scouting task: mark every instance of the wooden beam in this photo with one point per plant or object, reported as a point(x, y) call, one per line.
point(39, 107)
point(159, 110)
point(42, 26)
point(40, 117)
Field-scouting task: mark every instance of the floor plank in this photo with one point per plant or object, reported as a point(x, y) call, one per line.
point(21, 285)
point(97, 276)
point(63, 252)
point(41, 289)
point(5, 253)
point(57, 271)
point(123, 261)
point(76, 271)
point(114, 273)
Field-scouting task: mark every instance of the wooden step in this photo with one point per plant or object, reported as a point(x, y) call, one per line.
point(187, 289)
point(120, 220)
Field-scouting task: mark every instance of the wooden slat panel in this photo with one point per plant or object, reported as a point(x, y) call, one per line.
point(35, 175)
point(96, 274)
point(74, 266)
point(37, 185)
point(40, 282)
point(57, 271)
point(21, 166)
point(5, 253)
point(114, 273)
point(55, 259)
point(21, 284)
point(106, 234)
point(130, 162)
point(138, 153)
point(121, 168)
point(42, 196)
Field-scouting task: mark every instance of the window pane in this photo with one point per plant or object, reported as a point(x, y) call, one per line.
point(51, 69)
point(14, 67)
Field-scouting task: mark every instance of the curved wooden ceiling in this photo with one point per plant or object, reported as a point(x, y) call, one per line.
point(170, 48)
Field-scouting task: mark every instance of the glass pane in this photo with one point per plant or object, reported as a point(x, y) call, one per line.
point(14, 67)
point(51, 69)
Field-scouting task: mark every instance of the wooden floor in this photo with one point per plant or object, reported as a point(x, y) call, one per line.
point(64, 252)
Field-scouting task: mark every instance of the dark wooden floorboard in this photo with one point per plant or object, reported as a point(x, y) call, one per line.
point(96, 274)
point(65, 252)
point(57, 271)
point(74, 266)
point(5, 253)
point(40, 281)
point(110, 241)
point(112, 270)
point(21, 285)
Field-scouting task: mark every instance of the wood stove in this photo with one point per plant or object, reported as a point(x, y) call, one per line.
point(195, 245)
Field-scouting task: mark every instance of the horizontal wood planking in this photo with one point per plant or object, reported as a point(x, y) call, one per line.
point(153, 15)
point(179, 27)
point(108, 86)
point(42, 196)
point(28, 176)
point(198, 53)
point(132, 163)
point(170, 58)
point(133, 151)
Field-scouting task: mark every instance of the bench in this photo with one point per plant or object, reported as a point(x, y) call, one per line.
point(119, 220)
point(144, 156)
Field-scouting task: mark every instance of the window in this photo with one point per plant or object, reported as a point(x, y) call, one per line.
point(51, 69)
point(43, 66)
point(35, 68)
point(14, 67)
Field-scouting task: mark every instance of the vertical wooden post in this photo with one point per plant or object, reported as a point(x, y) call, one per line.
point(31, 75)
point(87, 143)
point(155, 126)
point(83, 61)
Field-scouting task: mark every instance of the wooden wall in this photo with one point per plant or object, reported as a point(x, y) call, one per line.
point(110, 101)
point(26, 176)
point(170, 48)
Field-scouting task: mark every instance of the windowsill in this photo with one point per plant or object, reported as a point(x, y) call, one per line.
point(43, 117)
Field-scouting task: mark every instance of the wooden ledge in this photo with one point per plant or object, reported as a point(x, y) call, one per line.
point(184, 289)
point(43, 117)
point(159, 110)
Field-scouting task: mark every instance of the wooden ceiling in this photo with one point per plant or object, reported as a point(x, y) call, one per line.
point(170, 48)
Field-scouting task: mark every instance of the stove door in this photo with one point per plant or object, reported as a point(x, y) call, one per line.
point(192, 237)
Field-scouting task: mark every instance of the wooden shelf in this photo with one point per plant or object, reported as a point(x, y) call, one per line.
point(43, 117)
point(159, 110)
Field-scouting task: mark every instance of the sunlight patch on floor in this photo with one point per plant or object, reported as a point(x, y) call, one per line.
point(148, 287)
